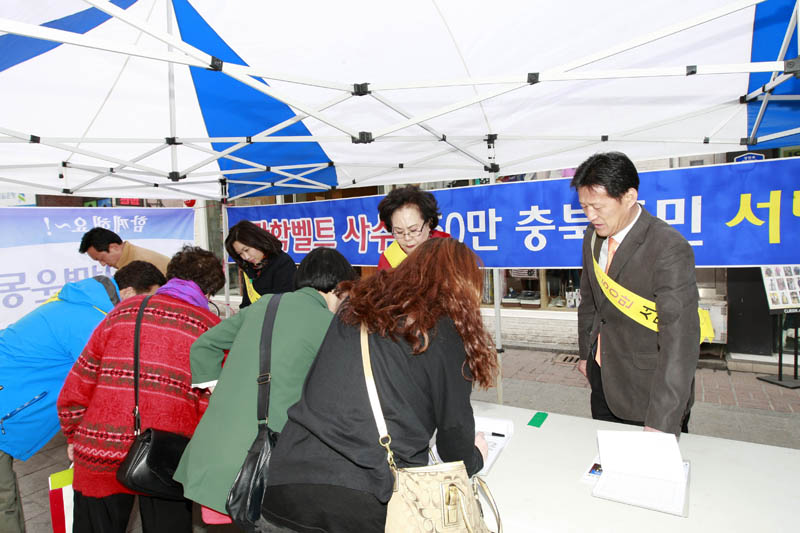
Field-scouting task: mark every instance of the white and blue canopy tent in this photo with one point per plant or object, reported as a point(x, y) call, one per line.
point(209, 99)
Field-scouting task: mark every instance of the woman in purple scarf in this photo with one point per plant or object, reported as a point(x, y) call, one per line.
point(96, 404)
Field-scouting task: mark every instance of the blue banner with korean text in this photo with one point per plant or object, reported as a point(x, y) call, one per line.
point(738, 214)
point(39, 247)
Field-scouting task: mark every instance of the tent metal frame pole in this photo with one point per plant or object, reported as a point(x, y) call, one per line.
point(364, 179)
point(29, 184)
point(779, 134)
point(224, 209)
point(711, 15)
point(66, 37)
point(173, 119)
point(115, 169)
point(237, 72)
point(787, 37)
point(436, 134)
point(413, 121)
point(88, 153)
point(562, 75)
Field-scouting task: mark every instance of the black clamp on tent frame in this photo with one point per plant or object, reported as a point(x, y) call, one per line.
point(35, 139)
point(533, 78)
point(792, 66)
point(744, 141)
point(223, 188)
point(216, 64)
point(176, 176)
point(172, 141)
point(364, 137)
point(604, 138)
point(490, 139)
point(691, 70)
point(361, 89)
point(492, 167)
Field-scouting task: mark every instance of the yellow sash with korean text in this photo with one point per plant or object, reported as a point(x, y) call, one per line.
point(639, 309)
point(252, 293)
point(394, 254)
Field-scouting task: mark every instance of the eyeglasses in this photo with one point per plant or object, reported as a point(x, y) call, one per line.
point(412, 233)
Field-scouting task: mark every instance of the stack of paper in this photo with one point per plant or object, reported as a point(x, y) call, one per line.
point(643, 469)
point(496, 431)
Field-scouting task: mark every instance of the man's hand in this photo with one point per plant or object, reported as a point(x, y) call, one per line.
point(482, 445)
point(70, 455)
point(648, 428)
point(582, 368)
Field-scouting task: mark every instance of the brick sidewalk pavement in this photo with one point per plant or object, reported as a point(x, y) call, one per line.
point(714, 386)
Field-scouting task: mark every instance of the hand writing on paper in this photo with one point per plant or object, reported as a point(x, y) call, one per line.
point(582, 367)
point(482, 445)
point(648, 428)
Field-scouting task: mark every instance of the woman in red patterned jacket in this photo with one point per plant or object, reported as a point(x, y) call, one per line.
point(96, 403)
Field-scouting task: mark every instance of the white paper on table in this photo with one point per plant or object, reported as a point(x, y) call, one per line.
point(496, 431)
point(643, 469)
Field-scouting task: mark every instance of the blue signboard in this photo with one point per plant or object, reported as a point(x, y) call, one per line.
point(733, 215)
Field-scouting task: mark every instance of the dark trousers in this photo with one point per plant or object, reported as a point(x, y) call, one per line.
point(600, 408)
point(110, 514)
point(323, 508)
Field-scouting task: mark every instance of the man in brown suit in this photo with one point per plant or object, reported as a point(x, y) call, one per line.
point(108, 249)
point(638, 376)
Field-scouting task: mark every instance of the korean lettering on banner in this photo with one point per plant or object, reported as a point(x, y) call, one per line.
point(771, 211)
point(363, 232)
point(15, 287)
point(301, 235)
point(482, 225)
point(535, 223)
point(673, 212)
point(116, 223)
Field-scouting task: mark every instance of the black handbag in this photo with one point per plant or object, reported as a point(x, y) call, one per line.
point(247, 493)
point(154, 454)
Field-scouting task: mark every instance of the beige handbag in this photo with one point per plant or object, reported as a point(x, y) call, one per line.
point(433, 498)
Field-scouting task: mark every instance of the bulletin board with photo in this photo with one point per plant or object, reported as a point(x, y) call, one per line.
point(782, 284)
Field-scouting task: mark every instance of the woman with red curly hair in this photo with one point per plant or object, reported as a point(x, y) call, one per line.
point(428, 346)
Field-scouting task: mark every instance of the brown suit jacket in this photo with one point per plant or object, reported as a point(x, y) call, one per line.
point(648, 376)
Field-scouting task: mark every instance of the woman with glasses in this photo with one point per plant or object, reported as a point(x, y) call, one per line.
point(411, 215)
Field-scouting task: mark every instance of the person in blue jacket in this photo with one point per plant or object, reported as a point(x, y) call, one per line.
point(36, 354)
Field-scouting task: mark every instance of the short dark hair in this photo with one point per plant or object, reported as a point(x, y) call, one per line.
point(611, 170)
point(99, 239)
point(409, 195)
point(253, 236)
point(323, 269)
point(192, 263)
point(140, 275)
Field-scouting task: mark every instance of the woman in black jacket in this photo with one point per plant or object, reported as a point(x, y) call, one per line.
point(428, 345)
point(266, 268)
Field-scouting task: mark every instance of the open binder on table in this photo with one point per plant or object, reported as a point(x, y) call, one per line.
point(643, 469)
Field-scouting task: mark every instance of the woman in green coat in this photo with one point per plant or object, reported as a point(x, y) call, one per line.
point(219, 445)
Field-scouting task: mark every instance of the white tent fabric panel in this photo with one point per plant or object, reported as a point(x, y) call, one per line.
point(442, 76)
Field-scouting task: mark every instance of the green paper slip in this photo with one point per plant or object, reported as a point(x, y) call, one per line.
point(538, 419)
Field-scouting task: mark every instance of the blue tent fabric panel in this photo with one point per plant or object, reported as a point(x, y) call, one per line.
point(232, 109)
point(770, 24)
point(15, 49)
